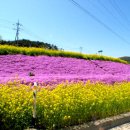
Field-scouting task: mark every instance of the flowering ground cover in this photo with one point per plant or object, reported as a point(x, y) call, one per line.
point(32, 51)
point(65, 105)
point(45, 69)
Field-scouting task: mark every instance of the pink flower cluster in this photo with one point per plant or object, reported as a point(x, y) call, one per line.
point(45, 69)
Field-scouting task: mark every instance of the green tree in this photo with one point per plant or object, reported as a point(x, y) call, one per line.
point(0, 38)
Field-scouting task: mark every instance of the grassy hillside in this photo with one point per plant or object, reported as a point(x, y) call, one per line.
point(7, 49)
point(126, 58)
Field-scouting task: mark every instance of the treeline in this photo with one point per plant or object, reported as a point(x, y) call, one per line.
point(28, 43)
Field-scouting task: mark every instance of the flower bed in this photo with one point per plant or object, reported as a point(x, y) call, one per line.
point(57, 69)
point(67, 104)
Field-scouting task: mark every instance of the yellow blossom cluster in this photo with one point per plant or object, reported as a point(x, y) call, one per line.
point(33, 51)
point(67, 104)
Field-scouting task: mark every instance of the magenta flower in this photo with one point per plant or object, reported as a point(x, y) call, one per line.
point(49, 70)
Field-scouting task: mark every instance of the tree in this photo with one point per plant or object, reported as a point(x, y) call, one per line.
point(0, 38)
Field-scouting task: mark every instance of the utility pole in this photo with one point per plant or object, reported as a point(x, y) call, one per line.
point(81, 48)
point(17, 31)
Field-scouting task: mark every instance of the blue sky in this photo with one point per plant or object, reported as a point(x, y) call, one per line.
point(62, 23)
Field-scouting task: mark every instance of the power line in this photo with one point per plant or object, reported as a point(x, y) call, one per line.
point(95, 6)
point(27, 31)
point(119, 11)
point(5, 20)
point(111, 13)
point(3, 26)
point(98, 20)
point(108, 11)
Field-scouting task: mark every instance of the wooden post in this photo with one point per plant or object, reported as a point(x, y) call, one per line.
point(34, 104)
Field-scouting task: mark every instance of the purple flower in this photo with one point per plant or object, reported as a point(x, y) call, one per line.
point(57, 69)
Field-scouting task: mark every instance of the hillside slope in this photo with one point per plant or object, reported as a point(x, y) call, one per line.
point(57, 69)
point(33, 51)
point(126, 58)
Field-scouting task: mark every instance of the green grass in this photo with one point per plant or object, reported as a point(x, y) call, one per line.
point(126, 58)
point(7, 49)
point(67, 104)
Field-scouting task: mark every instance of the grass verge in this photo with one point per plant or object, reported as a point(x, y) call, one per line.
point(7, 49)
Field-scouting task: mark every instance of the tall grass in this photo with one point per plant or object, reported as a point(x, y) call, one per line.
point(67, 104)
point(7, 49)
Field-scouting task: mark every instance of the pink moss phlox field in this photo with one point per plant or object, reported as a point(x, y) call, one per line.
point(57, 69)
